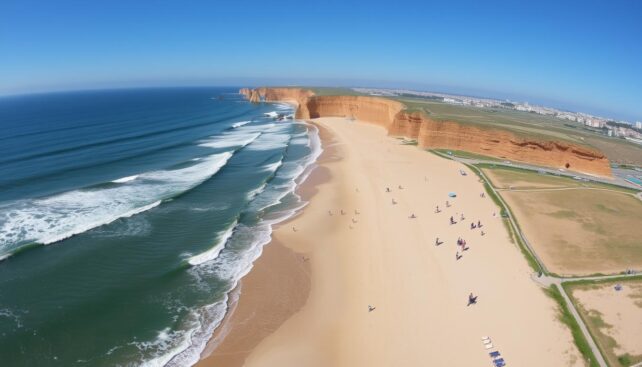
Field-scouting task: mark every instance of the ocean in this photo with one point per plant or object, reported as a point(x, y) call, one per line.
point(127, 217)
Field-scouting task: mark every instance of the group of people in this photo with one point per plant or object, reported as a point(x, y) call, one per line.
point(461, 243)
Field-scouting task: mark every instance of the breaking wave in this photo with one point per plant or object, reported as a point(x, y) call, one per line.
point(54, 218)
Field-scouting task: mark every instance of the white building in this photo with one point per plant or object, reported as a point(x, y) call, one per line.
point(638, 125)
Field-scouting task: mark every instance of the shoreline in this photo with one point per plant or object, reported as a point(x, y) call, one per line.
point(237, 334)
point(376, 255)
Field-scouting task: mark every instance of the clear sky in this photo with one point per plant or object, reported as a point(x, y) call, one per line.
point(581, 55)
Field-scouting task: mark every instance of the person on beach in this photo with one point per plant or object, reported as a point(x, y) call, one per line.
point(293, 229)
point(437, 209)
point(472, 225)
point(394, 202)
point(483, 233)
point(479, 225)
point(447, 204)
point(458, 256)
point(330, 212)
point(413, 216)
point(452, 220)
point(437, 243)
point(400, 187)
point(472, 299)
point(371, 308)
point(387, 189)
point(462, 217)
point(342, 212)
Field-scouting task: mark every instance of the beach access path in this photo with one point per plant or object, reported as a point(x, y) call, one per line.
point(364, 249)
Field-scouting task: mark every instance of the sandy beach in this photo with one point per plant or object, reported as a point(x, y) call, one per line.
point(362, 248)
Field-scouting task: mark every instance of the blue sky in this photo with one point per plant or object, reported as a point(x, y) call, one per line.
point(584, 55)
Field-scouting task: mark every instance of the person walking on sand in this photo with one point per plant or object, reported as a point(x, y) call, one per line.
point(437, 209)
point(447, 204)
point(479, 225)
point(452, 220)
point(472, 299)
point(387, 189)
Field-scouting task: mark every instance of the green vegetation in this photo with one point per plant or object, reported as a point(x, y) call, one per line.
point(591, 227)
point(511, 173)
point(567, 318)
point(468, 155)
point(514, 232)
point(593, 319)
point(409, 142)
point(328, 91)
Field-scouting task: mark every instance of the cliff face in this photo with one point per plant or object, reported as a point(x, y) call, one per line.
point(438, 134)
point(499, 143)
point(292, 95)
point(377, 110)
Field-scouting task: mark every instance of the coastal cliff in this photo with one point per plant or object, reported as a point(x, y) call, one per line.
point(433, 134)
point(296, 96)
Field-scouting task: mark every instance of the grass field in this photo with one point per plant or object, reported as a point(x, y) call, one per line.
point(468, 155)
point(614, 318)
point(529, 125)
point(576, 228)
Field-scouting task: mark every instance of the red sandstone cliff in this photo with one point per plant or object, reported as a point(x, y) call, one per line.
point(439, 134)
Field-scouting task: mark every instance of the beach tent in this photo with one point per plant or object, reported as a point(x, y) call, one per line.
point(452, 194)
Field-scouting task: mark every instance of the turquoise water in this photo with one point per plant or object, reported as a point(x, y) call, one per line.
point(126, 217)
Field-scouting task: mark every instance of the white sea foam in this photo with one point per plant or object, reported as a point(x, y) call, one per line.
point(183, 348)
point(272, 114)
point(252, 194)
point(272, 167)
point(213, 252)
point(276, 137)
point(283, 106)
point(51, 219)
point(230, 140)
point(239, 124)
point(125, 179)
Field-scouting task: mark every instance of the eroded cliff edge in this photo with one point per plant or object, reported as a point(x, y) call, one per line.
point(433, 134)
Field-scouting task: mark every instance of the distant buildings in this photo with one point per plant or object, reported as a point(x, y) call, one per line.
point(621, 129)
